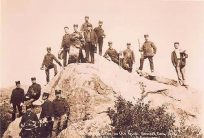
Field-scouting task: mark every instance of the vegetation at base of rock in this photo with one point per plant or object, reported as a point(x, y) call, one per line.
point(5, 117)
point(140, 120)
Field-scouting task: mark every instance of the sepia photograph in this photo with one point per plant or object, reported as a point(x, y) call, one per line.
point(101, 69)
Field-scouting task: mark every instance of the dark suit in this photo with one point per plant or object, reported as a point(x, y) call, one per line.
point(129, 59)
point(66, 46)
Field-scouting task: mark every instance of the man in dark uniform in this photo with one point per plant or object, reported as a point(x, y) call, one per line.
point(17, 100)
point(76, 41)
point(61, 112)
point(112, 53)
point(48, 63)
point(178, 58)
point(148, 51)
point(65, 45)
point(91, 41)
point(129, 58)
point(100, 34)
point(34, 92)
point(46, 116)
point(84, 26)
point(29, 123)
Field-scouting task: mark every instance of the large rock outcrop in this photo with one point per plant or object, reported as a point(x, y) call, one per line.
point(91, 89)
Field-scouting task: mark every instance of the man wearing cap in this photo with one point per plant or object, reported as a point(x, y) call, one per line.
point(100, 34)
point(46, 116)
point(17, 100)
point(76, 41)
point(48, 63)
point(65, 45)
point(29, 123)
point(61, 112)
point(129, 58)
point(91, 40)
point(178, 58)
point(84, 26)
point(34, 92)
point(148, 51)
point(112, 53)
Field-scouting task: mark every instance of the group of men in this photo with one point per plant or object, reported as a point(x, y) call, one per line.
point(53, 117)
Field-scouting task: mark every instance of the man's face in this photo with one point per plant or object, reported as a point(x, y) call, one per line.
point(146, 38)
point(66, 30)
point(49, 51)
point(176, 46)
point(86, 19)
point(110, 45)
point(100, 24)
point(58, 96)
point(75, 28)
point(128, 46)
point(44, 97)
point(33, 81)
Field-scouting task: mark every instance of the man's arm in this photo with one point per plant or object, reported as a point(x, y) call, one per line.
point(154, 48)
point(62, 44)
point(173, 59)
point(133, 56)
point(57, 60)
point(12, 97)
point(43, 63)
point(106, 54)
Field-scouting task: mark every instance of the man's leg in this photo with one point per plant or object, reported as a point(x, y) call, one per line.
point(63, 122)
point(141, 62)
point(47, 72)
point(130, 65)
point(55, 69)
point(92, 48)
point(14, 112)
point(20, 110)
point(65, 58)
point(87, 50)
point(55, 127)
point(151, 63)
point(182, 70)
point(100, 44)
point(179, 74)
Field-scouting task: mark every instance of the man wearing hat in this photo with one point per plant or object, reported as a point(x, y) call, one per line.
point(17, 100)
point(47, 116)
point(29, 123)
point(61, 112)
point(148, 51)
point(112, 53)
point(84, 26)
point(65, 45)
point(91, 40)
point(100, 34)
point(178, 58)
point(129, 58)
point(34, 92)
point(48, 63)
point(76, 41)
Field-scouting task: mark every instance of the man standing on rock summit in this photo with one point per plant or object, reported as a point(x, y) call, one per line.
point(48, 63)
point(148, 51)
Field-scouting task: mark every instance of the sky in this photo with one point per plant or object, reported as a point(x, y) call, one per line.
point(29, 26)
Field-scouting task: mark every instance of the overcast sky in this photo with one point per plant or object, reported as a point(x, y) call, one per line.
point(29, 26)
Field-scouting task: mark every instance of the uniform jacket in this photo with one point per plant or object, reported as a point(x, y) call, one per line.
point(60, 107)
point(48, 60)
point(65, 41)
point(94, 38)
point(112, 53)
point(76, 40)
point(129, 55)
point(28, 120)
point(175, 60)
point(99, 32)
point(84, 26)
point(17, 96)
point(148, 48)
point(47, 109)
point(34, 91)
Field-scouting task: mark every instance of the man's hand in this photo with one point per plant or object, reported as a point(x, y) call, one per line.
point(21, 104)
point(53, 119)
point(11, 105)
point(42, 68)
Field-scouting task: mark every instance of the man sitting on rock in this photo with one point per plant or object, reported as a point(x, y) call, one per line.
point(129, 58)
point(34, 92)
point(61, 112)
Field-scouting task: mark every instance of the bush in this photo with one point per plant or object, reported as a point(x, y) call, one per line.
point(139, 119)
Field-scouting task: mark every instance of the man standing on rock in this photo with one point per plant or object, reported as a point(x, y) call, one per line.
point(129, 58)
point(112, 53)
point(61, 113)
point(84, 26)
point(46, 116)
point(48, 63)
point(65, 45)
point(178, 58)
point(100, 34)
point(148, 51)
point(91, 41)
point(17, 100)
point(34, 92)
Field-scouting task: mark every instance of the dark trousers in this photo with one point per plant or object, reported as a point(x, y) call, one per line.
point(100, 45)
point(47, 71)
point(89, 49)
point(150, 62)
point(15, 106)
point(46, 129)
point(64, 57)
point(180, 70)
point(128, 65)
point(81, 56)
